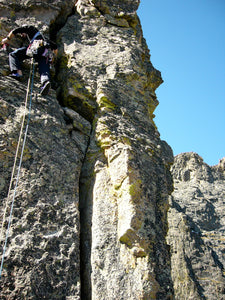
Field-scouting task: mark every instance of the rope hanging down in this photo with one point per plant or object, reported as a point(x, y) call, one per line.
point(29, 90)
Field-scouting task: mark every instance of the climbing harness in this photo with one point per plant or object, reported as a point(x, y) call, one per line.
point(40, 47)
point(29, 91)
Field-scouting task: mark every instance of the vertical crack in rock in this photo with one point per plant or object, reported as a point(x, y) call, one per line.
point(106, 76)
point(94, 168)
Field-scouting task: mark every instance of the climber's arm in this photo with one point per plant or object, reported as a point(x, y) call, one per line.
point(8, 38)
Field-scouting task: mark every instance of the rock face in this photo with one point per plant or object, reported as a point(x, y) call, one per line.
point(43, 248)
point(110, 81)
point(197, 228)
point(89, 218)
point(90, 211)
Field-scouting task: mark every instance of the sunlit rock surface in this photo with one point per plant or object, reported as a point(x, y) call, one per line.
point(197, 228)
point(90, 212)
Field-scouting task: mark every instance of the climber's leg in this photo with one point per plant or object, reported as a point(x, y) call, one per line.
point(44, 71)
point(15, 59)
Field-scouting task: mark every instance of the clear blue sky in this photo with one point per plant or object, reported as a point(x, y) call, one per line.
point(186, 39)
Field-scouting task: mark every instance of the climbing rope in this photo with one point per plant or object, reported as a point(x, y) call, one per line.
point(29, 91)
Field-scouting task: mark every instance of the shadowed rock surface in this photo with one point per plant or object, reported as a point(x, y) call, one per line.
point(90, 213)
point(197, 228)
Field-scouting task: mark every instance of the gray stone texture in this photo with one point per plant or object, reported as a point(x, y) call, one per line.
point(125, 180)
point(197, 228)
point(90, 213)
point(92, 149)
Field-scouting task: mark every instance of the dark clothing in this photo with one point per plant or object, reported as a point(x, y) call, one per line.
point(18, 56)
point(29, 30)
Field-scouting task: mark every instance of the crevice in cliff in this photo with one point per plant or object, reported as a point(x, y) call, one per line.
point(59, 23)
point(86, 210)
point(71, 88)
point(74, 106)
point(86, 187)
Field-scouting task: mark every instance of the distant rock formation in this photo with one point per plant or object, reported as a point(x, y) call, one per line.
point(197, 228)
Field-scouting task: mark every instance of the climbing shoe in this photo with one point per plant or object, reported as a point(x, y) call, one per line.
point(16, 76)
point(45, 88)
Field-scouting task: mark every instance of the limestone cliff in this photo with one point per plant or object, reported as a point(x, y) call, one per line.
point(197, 228)
point(89, 219)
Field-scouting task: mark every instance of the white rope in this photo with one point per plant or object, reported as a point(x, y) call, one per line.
point(20, 163)
point(16, 155)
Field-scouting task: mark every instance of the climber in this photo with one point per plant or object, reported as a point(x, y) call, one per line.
point(39, 52)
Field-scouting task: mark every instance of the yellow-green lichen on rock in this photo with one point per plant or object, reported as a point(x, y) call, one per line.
point(91, 197)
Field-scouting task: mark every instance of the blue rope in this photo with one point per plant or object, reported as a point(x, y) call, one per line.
point(18, 172)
